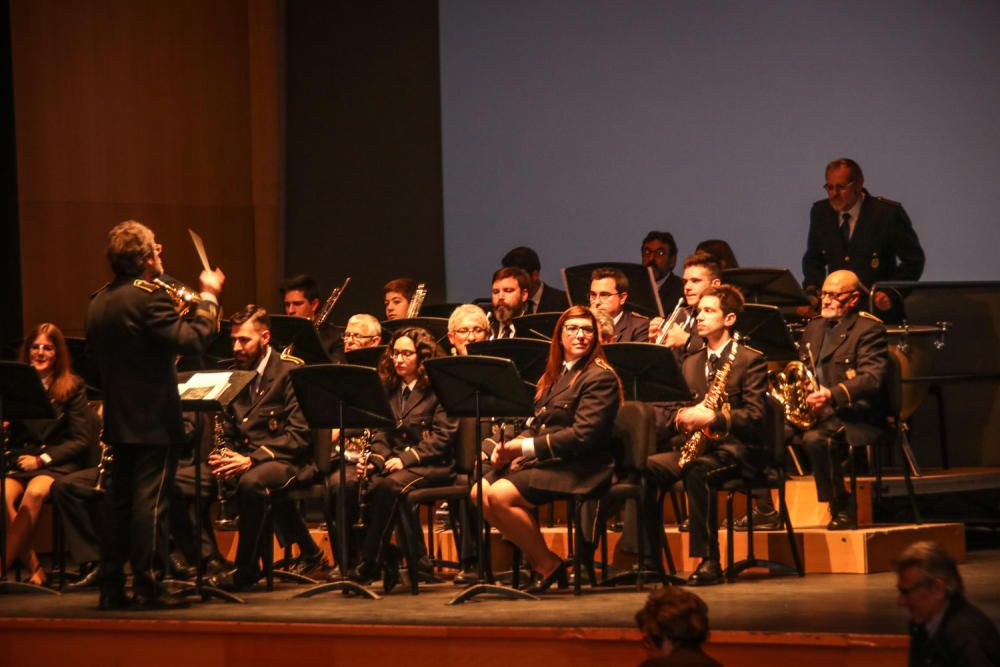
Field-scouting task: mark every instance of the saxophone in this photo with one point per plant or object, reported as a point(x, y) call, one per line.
point(417, 301)
point(715, 399)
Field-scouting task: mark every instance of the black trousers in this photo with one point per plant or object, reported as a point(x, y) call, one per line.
point(352, 509)
point(83, 513)
point(826, 446)
point(139, 502)
point(182, 514)
point(266, 483)
point(384, 494)
point(700, 476)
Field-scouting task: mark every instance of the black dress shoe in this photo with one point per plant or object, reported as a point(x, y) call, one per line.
point(425, 572)
point(709, 573)
point(390, 568)
point(112, 599)
point(310, 565)
point(179, 568)
point(364, 573)
point(88, 580)
point(559, 576)
point(233, 581)
point(467, 577)
point(684, 526)
point(841, 521)
point(761, 521)
point(158, 603)
point(215, 565)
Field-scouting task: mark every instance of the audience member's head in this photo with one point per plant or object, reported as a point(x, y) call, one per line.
point(672, 617)
point(927, 578)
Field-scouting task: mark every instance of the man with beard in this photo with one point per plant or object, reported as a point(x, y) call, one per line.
point(659, 251)
point(267, 439)
point(510, 294)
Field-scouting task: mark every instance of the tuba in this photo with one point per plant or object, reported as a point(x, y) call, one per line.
point(790, 388)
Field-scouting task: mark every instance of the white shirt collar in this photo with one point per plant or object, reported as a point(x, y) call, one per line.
point(536, 296)
point(620, 314)
point(263, 362)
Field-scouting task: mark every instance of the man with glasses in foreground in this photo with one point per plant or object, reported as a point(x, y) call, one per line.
point(609, 292)
point(850, 229)
point(850, 351)
point(945, 628)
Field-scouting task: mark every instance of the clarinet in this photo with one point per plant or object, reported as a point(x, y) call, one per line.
point(366, 453)
point(219, 448)
point(107, 456)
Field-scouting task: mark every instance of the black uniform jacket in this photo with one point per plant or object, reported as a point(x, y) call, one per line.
point(965, 637)
point(66, 438)
point(134, 335)
point(742, 428)
point(671, 292)
point(632, 328)
point(269, 425)
point(552, 301)
point(853, 365)
point(882, 247)
point(695, 343)
point(572, 430)
point(423, 438)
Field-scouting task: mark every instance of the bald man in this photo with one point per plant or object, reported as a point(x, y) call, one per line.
point(850, 350)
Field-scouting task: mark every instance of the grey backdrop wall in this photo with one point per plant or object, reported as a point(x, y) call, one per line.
point(575, 127)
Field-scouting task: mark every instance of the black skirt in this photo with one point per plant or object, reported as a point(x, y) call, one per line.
point(551, 480)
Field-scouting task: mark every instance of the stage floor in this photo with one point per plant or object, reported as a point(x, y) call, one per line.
point(817, 603)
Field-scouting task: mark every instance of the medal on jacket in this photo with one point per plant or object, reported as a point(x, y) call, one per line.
point(851, 373)
point(272, 425)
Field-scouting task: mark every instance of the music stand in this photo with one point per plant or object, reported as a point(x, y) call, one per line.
point(649, 373)
point(763, 327)
point(643, 297)
point(773, 286)
point(538, 325)
point(298, 331)
point(528, 354)
point(436, 310)
point(238, 382)
point(481, 387)
point(341, 396)
point(22, 396)
point(365, 356)
point(437, 326)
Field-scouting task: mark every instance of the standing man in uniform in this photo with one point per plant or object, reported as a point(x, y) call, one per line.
point(135, 334)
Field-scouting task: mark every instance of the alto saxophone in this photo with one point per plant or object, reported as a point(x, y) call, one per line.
point(715, 399)
point(363, 457)
point(417, 301)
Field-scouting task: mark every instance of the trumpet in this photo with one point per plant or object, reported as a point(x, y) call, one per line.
point(661, 337)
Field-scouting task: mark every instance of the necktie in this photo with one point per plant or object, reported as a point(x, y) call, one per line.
point(529, 307)
point(845, 227)
point(406, 394)
point(713, 366)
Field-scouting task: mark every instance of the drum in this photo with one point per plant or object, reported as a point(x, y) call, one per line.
point(915, 346)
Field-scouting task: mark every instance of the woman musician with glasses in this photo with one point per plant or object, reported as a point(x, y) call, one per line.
point(565, 448)
point(42, 450)
point(417, 452)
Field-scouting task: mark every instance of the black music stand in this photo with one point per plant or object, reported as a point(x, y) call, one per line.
point(365, 356)
point(763, 327)
point(528, 354)
point(773, 286)
point(538, 325)
point(291, 330)
point(341, 396)
point(22, 396)
point(643, 297)
point(437, 326)
point(481, 387)
point(649, 373)
point(442, 310)
point(238, 382)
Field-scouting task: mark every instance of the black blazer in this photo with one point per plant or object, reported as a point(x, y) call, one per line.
point(884, 245)
point(746, 388)
point(632, 328)
point(66, 438)
point(572, 429)
point(552, 300)
point(134, 336)
point(423, 438)
point(269, 425)
point(965, 637)
point(671, 292)
point(853, 366)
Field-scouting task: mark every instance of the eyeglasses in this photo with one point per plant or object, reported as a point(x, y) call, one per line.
point(41, 347)
point(350, 335)
point(834, 295)
point(602, 296)
point(406, 354)
point(838, 188)
point(574, 329)
point(466, 331)
point(907, 592)
point(650, 252)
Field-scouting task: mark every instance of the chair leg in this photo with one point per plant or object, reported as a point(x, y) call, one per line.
point(267, 548)
point(663, 544)
point(730, 534)
point(792, 544)
point(904, 443)
point(577, 549)
point(853, 500)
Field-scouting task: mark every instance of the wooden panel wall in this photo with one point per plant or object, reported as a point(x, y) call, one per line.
point(166, 111)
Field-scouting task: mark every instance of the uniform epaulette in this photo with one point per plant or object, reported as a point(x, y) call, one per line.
point(887, 200)
point(603, 364)
point(640, 315)
point(869, 316)
point(285, 356)
point(753, 349)
point(145, 285)
point(101, 289)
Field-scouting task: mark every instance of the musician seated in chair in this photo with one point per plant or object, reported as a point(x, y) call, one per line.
point(701, 271)
point(43, 450)
point(609, 292)
point(566, 447)
point(300, 297)
point(267, 452)
point(850, 350)
point(398, 295)
point(729, 430)
point(467, 324)
point(510, 299)
point(419, 451)
point(362, 331)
